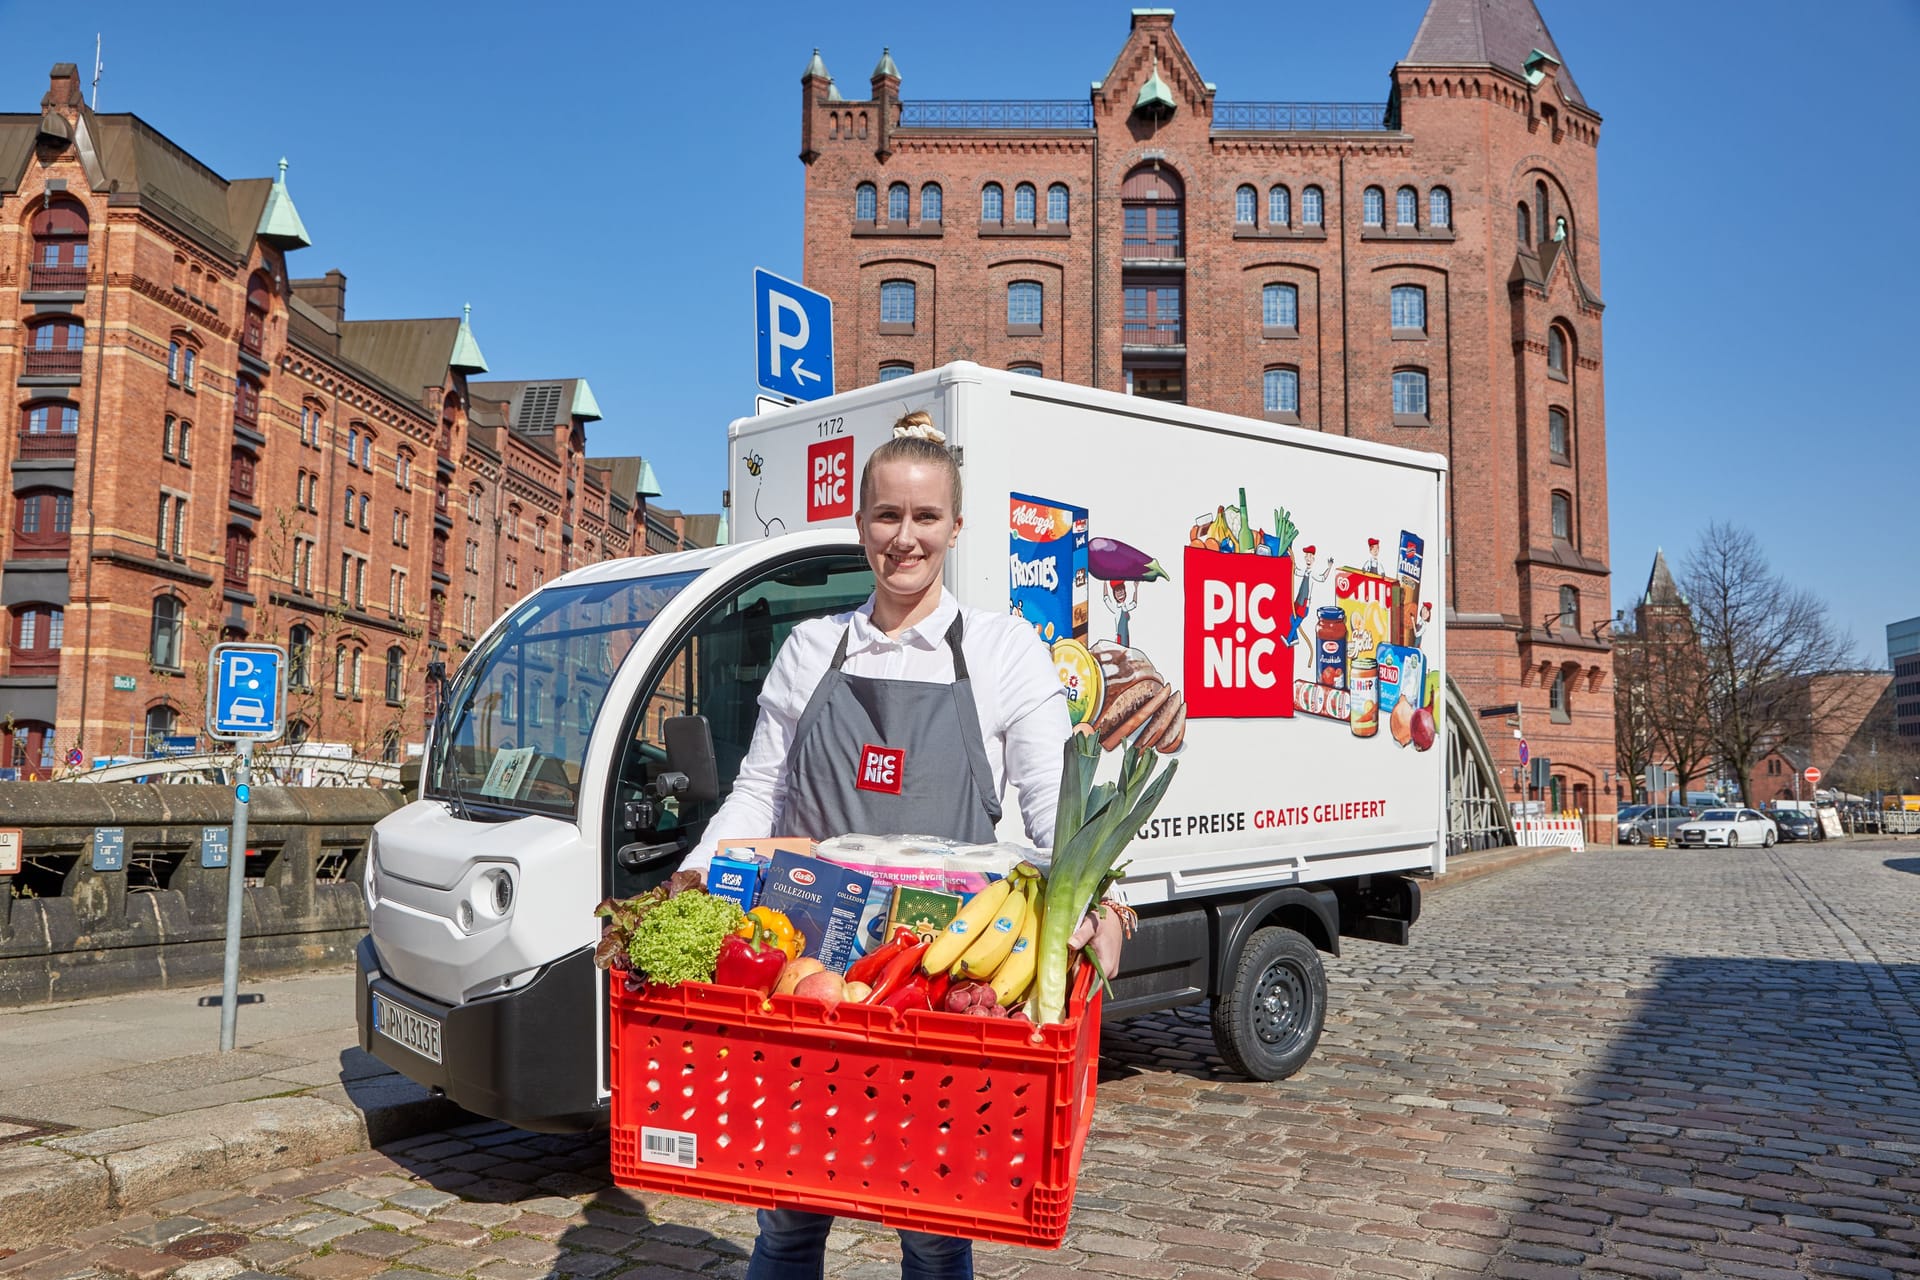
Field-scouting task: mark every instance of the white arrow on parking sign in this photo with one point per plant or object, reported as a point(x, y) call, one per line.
point(803, 373)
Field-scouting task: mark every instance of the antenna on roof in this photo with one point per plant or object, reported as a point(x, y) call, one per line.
point(97, 69)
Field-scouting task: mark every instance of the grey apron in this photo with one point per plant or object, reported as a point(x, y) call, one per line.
point(891, 757)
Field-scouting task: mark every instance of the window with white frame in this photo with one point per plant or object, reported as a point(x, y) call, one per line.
point(1024, 304)
point(930, 202)
point(992, 203)
point(866, 203)
point(1279, 306)
point(1559, 436)
point(1245, 205)
point(1406, 207)
point(1312, 207)
point(1279, 207)
point(1024, 209)
point(894, 369)
point(1409, 307)
point(1280, 391)
point(1373, 207)
point(1556, 351)
point(1562, 516)
point(899, 203)
point(897, 302)
point(1057, 204)
point(1409, 393)
point(1439, 208)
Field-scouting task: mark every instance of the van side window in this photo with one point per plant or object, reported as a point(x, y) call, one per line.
point(716, 671)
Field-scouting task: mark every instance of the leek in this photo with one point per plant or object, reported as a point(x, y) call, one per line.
point(1092, 827)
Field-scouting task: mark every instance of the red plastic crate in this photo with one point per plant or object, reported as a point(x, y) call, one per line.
point(931, 1121)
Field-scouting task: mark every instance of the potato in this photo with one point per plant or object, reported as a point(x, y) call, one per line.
point(794, 972)
point(856, 992)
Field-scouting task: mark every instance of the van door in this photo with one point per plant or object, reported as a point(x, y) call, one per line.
point(715, 669)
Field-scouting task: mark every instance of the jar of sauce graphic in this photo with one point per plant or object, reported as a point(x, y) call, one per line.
point(1330, 647)
point(1363, 697)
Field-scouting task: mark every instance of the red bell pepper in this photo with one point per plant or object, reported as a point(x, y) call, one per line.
point(915, 993)
point(897, 969)
point(753, 963)
point(869, 966)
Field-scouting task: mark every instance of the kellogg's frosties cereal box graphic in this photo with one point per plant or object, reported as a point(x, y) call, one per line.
point(1047, 566)
point(1367, 600)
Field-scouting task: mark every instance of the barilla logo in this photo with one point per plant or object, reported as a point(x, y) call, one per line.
point(1044, 574)
point(800, 876)
point(1036, 523)
point(881, 769)
point(829, 480)
point(1239, 610)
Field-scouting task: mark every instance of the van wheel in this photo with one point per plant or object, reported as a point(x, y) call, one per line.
point(1268, 1020)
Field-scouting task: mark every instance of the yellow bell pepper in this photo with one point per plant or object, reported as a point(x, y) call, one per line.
point(785, 936)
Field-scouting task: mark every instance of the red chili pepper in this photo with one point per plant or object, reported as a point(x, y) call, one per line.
point(753, 963)
point(868, 966)
point(937, 989)
point(896, 970)
point(914, 993)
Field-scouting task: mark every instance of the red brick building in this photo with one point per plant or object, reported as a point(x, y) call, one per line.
point(205, 447)
point(1424, 271)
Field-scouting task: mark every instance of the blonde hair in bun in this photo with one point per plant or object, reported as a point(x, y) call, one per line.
point(915, 439)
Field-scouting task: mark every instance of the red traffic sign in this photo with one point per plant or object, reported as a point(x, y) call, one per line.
point(1812, 774)
point(1523, 751)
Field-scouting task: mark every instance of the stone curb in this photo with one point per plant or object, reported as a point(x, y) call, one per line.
point(57, 1186)
point(1471, 866)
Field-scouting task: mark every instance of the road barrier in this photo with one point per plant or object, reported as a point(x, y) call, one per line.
point(1570, 833)
point(122, 887)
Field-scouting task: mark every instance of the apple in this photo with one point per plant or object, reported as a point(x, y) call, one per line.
point(825, 986)
point(794, 972)
point(1422, 729)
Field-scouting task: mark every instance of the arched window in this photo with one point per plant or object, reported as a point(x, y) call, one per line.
point(163, 647)
point(1559, 437)
point(1030, 370)
point(894, 369)
point(298, 731)
point(359, 662)
point(1280, 393)
point(992, 203)
point(55, 347)
point(1409, 307)
point(1562, 517)
point(51, 418)
point(403, 469)
point(1279, 207)
point(35, 752)
point(1439, 208)
point(1559, 699)
point(1312, 207)
point(173, 362)
point(1373, 207)
point(1058, 204)
point(1570, 607)
point(348, 510)
point(899, 202)
point(59, 246)
point(1409, 396)
point(1556, 351)
point(340, 671)
point(1542, 210)
point(1151, 199)
point(366, 501)
point(239, 558)
point(1523, 223)
point(1245, 203)
point(39, 632)
point(159, 724)
point(188, 359)
point(930, 202)
point(246, 401)
point(1279, 307)
point(253, 329)
point(396, 673)
point(1023, 203)
point(1406, 207)
point(866, 202)
point(300, 656)
point(42, 519)
point(1025, 300)
point(897, 303)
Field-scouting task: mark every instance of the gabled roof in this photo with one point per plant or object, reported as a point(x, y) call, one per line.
point(1495, 33)
point(17, 133)
point(1536, 267)
point(534, 407)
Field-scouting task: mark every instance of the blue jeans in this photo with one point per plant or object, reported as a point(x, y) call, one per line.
point(793, 1246)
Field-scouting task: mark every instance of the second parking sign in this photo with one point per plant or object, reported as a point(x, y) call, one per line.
point(245, 691)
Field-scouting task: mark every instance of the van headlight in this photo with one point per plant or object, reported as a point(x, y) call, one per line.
point(373, 870)
point(502, 892)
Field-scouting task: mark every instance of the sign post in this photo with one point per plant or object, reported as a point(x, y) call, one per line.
point(793, 328)
point(246, 697)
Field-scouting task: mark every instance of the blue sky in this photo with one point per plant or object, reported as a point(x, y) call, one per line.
point(600, 181)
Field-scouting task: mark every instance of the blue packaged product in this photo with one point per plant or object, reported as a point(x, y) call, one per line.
point(735, 878)
point(1047, 566)
point(825, 903)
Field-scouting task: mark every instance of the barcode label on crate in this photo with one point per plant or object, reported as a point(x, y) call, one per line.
point(668, 1146)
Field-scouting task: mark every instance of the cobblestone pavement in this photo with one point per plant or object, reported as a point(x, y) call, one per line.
point(1624, 1062)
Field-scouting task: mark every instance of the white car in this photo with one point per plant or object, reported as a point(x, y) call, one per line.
point(1729, 828)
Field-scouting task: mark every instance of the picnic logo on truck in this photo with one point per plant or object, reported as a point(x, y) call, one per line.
point(829, 480)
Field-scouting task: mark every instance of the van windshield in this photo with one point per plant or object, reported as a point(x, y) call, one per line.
point(517, 717)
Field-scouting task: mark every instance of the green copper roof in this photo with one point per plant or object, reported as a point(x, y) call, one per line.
point(648, 485)
point(1535, 61)
point(280, 221)
point(466, 357)
point(584, 405)
point(1155, 98)
point(833, 92)
point(886, 67)
point(721, 532)
point(815, 67)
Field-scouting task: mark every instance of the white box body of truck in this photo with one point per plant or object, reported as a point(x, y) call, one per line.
point(1251, 599)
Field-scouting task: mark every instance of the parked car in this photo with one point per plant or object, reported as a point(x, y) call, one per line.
point(1796, 825)
point(1729, 828)
point(1656, 820)
point(1627, 813)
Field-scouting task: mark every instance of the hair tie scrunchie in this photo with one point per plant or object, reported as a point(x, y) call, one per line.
point(918, 426)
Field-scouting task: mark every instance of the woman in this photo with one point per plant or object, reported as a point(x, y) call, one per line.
point(970, 700)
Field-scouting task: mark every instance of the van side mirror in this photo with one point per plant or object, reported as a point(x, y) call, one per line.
point(690, 752)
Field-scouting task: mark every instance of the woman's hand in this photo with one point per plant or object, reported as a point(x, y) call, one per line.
point(1104, 928)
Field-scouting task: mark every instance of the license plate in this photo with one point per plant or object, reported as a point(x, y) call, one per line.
point(415, 1031)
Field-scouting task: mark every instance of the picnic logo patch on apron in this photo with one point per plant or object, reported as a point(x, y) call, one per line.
point(881, 769)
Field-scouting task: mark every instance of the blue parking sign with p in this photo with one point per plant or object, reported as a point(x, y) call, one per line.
point(793, 328)
point(245, 691)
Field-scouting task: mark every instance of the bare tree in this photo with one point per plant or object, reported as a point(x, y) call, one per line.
point(1634, 744)
point(1760, 637)
point(1680, 711)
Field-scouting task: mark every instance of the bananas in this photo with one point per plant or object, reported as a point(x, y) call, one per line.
point(1015, 974)
point(966, 927)
point(984, 958)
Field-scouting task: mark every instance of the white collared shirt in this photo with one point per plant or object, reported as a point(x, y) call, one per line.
point(1024, 720)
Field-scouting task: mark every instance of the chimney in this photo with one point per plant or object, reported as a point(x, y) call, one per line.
point(63, 91)
point(327, 295)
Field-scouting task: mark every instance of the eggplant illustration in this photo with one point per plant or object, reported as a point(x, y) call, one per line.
point(1113, 561)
